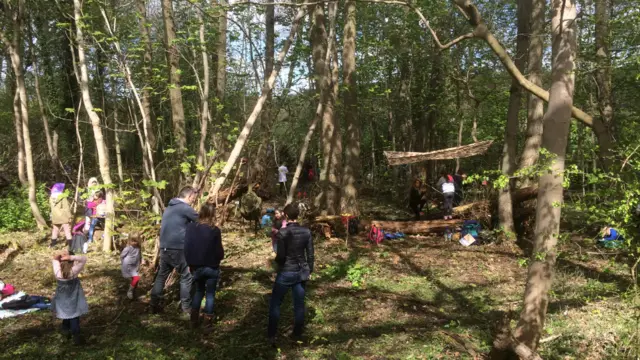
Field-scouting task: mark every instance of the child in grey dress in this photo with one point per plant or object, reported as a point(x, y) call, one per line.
point(69, 302)
point(131, 257)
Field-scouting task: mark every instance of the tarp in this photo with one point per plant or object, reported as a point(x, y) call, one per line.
point(402, 158)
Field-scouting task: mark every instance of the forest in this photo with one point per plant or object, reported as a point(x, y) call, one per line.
point(345, 109)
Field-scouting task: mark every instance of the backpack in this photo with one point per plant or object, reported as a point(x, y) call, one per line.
point(471, 227)
point(376, 235)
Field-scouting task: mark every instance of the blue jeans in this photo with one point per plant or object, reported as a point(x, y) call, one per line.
point(172, 259)
point(205, 280)
point(92, 228)
point(284, 281)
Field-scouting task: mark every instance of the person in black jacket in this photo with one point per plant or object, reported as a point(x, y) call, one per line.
point(175, 219)
point(416, 201)
point(295, 265)
point(203, 252)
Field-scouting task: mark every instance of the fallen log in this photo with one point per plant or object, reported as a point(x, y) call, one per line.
point(520, 195)
point(417, 227)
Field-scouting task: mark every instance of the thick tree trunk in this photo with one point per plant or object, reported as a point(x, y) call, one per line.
point(246, 130)
point(556, 129)
point(603, 125)
point(103, 153)
point(329, 200)
point(205, 115)
point(535, 105)
point(14, 48)
point(17, 119)
point(505, 209)
point(145, 37)
point(175, 93)
point(351, 170)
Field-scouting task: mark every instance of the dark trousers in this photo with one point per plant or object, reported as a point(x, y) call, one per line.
point(173, 259)
point(205, 280)
point(71, 325)
point(417, 208)
point(284, 282)
point(283, 188)
point(448, 203)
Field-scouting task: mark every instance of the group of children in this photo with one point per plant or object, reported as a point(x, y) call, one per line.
point(61, 216)
point(449, 185)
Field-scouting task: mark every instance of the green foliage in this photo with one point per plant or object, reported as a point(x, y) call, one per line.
point(15, 212)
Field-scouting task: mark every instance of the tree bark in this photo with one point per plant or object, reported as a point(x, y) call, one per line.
point(260, 162)
point(43, 113)
point(505, 208)
point(604, 123)
point(17, 119)
point(221, 75)
point(103, 153)
point(246, 130)
point(556, 129)
point(535, 106)
point(175, 92)
point(205, 115)
point(351, 170)
point(145, 37)
point(14, 48)
point(329, 200)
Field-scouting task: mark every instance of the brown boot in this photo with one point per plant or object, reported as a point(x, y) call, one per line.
point(207, 326)
point(195, 318)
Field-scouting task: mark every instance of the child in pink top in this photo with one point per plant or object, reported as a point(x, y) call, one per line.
point(279, 223)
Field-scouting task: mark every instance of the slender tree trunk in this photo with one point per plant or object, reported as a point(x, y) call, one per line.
point(117, 145)
point(246, 130)
point(535, 105)
point(14, 47)
point(103, 153)
point(505, 205)
point(17, 119)
point(175, 92)
point(603, 125)
point(221, 76)
point(205, 115)
point(43, 113)
point(556, 130)
point(145, 37)
point(351, 170)
point(260, 162)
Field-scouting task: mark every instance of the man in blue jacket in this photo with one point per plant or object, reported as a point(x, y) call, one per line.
point(176, 216)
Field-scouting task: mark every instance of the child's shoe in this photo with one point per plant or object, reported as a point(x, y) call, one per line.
point(131, 293)
point(53, 243)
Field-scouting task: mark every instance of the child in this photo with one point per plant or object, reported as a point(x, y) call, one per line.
point(131, 258)
point(416, 200)
point(203, 253)
point(93, 205)
point(267, 220)
point(448, 191)
point(279, 223)
point(60, 214)
point(92, 188)
point(69, 301)
point(79, 240)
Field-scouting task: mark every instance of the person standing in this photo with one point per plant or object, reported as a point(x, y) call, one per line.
point(295, 260)
point(416, 199)
point(282, 179)
point(69, 302)
point(203, 252)
point(131, 259)
point(60, 214)
point(175, 219)
point(448, 191)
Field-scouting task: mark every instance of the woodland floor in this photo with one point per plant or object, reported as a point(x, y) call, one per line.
point(416, 298)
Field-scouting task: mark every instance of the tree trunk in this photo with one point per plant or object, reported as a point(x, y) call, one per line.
point(117, 143)
point(103, 153)
point(246, 130)
point(221, 75)
point(505, 208)
point(175, 93)
point(22, 176)
point(604, 123)
point(260, 166)
point(145, 37)
point(535, 105)
point(43, 113)
point(205, 115)
point(14, 47)
point(556, 130)
point(351, 171)
point(329, 200)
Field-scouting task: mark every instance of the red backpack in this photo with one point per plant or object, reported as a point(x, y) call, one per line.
point(310, 175)
point(376, 235)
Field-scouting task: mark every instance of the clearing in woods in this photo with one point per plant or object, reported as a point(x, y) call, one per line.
point(416, 298)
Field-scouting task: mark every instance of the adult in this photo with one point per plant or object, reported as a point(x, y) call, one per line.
point(175, 219)
point(416, 200)
point(282, 179)
point(295, 264)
